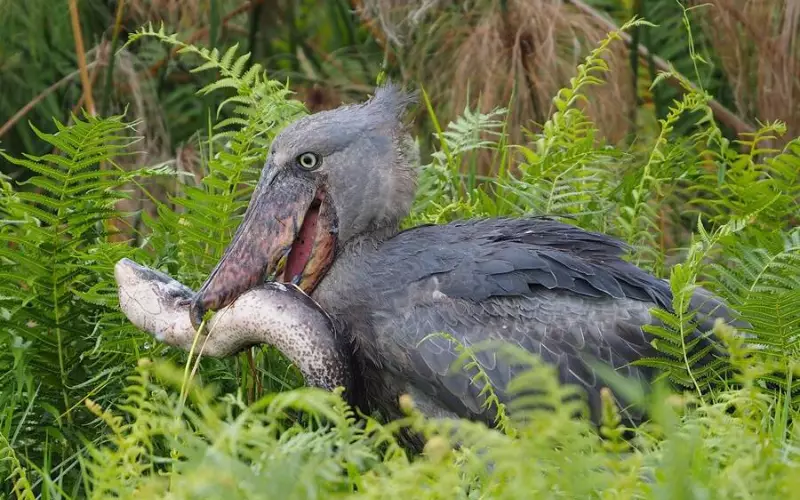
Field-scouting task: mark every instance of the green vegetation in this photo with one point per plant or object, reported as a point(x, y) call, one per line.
point(91, 407)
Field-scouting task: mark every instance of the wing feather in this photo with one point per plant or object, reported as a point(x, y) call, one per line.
point(548, 287)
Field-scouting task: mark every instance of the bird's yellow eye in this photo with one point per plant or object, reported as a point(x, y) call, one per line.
point(309, 161)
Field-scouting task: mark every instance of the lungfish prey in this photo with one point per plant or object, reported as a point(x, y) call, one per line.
point(275, 314)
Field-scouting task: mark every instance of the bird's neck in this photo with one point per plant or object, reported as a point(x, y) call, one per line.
point(342, 285)
point(371, 237)
point(378, 235)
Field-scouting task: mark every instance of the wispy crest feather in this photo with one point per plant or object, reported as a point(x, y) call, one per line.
point(391, 99)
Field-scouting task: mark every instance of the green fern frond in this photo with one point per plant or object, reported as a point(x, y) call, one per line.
point(468, 362)
point(54, 282)
point(571, 174)
point(209, 213)
point(754, 180)
point(537, 392)
point(637, 213)
point(679, 358)
point(256, 447)
point(17, 474)
point(443, 179)
point(611, 425)
point(749, 268)
point(775, 320)
point(594, 63)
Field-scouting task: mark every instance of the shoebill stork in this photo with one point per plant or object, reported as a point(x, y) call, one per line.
point(326, 216)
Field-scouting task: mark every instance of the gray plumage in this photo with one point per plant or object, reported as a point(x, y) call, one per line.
point(549, 287)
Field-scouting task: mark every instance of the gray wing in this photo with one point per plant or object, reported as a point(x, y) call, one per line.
point(550, 288)
point(565, 330)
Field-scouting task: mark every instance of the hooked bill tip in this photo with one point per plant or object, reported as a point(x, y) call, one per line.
point(197, 311)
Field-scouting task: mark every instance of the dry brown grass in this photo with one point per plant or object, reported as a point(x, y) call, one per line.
point(536, 47)
point(758, 43)
point(478, 55)
point(134, 94)
point(182, 14)
point(134, 90)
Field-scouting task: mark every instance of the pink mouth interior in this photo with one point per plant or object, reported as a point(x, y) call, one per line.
point(303, 244)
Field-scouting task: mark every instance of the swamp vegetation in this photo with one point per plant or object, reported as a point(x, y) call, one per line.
point(159, 168)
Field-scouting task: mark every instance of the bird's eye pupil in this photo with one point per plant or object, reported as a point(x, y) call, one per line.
point(308, 161)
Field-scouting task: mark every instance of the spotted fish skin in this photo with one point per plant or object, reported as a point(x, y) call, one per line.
point(273, 314)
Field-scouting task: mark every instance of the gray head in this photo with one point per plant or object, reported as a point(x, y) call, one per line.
point(329, 178)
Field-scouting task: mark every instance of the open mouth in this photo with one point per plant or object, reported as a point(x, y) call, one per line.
point(300, 251)
point(312, 250)
point(289, 233)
